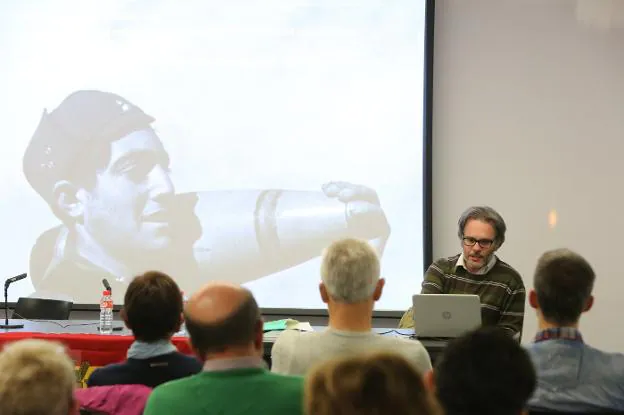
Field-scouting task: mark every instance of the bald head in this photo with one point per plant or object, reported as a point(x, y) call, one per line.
point(215, 302)
point(222, 316)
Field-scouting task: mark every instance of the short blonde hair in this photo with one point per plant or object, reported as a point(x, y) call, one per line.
point(368, 384)
point(350, 270)
point(36, 377)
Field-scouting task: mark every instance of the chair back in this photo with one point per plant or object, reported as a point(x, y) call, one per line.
point(41, 309)
point(113, 400)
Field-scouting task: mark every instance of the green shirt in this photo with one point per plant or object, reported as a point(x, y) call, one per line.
point(229, 392)
point(501, 291)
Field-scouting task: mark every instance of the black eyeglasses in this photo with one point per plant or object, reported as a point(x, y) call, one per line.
point(483, 243)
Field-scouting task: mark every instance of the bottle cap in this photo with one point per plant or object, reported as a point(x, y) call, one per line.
point(106, 292)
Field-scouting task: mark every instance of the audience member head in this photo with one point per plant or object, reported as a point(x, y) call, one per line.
point(562, 287)
point(223, 321)
point(153, 307)
point(364, 384)
point(484, 372)
point(350, 273)
point(36, 378)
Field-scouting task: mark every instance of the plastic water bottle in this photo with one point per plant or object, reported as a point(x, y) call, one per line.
point(106, 313)
point(182, 331)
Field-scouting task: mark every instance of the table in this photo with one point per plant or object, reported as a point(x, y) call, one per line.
point(86, 344)
point(82, 338)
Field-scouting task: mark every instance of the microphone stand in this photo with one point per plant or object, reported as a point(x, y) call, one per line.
point(6, 324)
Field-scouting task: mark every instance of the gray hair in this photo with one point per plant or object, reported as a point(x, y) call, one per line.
point(485, 214)
point(350, 270)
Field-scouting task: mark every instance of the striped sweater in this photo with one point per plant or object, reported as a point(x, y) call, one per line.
point(501, 291)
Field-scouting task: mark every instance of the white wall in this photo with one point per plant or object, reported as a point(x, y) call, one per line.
point(529, 117)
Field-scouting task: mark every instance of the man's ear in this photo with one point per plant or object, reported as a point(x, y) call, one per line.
point(124, 317)
point(379, 289)
point(178, 326)
point(429, 380)
point(69, 199)
point(259, 341)
point(324, 294)
point(533, 299)
point(196, 352)
point(589, 304)
point(180, 323)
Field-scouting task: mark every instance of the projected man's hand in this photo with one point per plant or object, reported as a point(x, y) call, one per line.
point(364, 212)
point(349, 192)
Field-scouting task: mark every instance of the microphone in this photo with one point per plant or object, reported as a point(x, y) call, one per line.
point(8, 282)
point(11, 280)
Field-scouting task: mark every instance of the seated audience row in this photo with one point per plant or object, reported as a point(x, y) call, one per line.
point(346, 369)
point(484, 372)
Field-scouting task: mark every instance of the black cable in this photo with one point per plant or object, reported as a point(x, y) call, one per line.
point(64, 326)
point(397, 332)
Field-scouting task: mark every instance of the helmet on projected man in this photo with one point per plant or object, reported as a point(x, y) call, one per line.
point(104, 172)
point(85, 120)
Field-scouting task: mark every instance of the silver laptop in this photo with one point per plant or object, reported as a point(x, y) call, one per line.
point(445, 315)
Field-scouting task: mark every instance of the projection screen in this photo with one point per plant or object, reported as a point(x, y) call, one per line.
point(212, 140)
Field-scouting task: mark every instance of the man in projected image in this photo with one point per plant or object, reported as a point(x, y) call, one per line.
point(477, 270)
point(103, 170)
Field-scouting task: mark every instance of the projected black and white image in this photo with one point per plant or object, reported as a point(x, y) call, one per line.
point(104, 171)
point(213, 140)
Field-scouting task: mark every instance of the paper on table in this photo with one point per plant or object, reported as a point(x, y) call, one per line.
point(287, 324)
point(302, 326)
point(274, 325)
